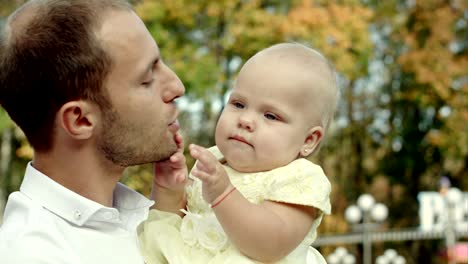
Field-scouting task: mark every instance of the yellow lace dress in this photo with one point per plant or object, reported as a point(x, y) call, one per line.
point(198, 237)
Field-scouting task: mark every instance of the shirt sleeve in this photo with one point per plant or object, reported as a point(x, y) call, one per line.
point(300, 182)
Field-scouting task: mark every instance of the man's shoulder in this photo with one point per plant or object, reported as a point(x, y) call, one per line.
point(26, 221)
point(29, 244)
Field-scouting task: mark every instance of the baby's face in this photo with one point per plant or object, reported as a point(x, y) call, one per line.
point(268, 116)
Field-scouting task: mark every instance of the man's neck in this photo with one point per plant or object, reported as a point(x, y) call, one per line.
point(82, 172)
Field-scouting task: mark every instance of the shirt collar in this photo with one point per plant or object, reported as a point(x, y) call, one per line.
point(74, 207)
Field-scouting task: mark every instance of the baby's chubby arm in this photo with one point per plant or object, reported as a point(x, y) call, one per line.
point(170, 178)
point(265, 232)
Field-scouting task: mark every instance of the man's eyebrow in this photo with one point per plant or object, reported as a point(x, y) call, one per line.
point(150, 66)
point(153, 62)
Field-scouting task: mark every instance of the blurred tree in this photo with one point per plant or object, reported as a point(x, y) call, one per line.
point(435, 61)
point(402, 121)
point(422, 130)
point(12, 163)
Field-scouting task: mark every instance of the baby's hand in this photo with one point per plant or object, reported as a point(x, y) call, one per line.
point(210, 171)
point(172, 173)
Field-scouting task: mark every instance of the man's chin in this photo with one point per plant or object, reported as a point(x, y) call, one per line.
point(142, 160)
point(166, 154)
point(161, 159)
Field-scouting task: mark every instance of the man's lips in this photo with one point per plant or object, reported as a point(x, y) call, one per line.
point(174, 126)
point(240, 139)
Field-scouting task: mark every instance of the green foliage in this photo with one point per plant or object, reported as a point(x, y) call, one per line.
point(5, 120)
point(402, 121)
point(8, 5)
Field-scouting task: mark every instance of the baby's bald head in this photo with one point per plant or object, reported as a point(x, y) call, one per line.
point(306, 66)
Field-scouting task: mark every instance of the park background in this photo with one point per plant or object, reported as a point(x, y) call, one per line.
point(402, 120)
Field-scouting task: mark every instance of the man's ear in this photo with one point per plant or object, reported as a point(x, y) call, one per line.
point(78, 119)
point(312, 141)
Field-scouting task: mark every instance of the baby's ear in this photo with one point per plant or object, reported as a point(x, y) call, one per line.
point(312, 141)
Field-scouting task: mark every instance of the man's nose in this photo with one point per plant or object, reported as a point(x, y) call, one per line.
point(175, 88)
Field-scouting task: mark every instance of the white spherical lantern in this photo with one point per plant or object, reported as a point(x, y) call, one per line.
point(379, 212)
point(341, 252)
point(353, 214)
point(390, 253)
point(365, 202)
point(399, 260)
point(382, 260)
point(349, 259)
point(333, 259)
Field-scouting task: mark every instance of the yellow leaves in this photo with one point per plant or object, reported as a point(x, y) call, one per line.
point(453, 139)
point(214, 10)
point(434, 137)
point(147, 9)
point(441, 30)
point(429, 56)
point(181, 11)
point(306, 15)
point(431, 67)
point(340, 31)
point(219, 8)
point(252, 28)
point(25, 151)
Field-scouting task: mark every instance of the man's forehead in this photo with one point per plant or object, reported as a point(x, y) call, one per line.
point(114, 22)
point(129, 44)
point(122, 30)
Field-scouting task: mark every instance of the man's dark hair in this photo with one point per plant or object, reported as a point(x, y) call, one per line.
point(50, 55)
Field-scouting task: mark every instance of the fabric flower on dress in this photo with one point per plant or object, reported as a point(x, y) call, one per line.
point(211, 235)
point(194, 193)
point(204, 231)
point(188, 227)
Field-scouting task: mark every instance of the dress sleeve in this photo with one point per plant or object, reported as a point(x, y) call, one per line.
point(300, 182)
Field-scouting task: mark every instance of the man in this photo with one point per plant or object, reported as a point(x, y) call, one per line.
point(86, 83)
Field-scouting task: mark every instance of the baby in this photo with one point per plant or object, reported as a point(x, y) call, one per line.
point(252, 198)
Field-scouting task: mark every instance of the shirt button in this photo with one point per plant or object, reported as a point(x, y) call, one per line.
point(108, 215)
point(77, 214)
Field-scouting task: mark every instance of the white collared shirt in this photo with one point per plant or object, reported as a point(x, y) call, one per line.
point(45, 222)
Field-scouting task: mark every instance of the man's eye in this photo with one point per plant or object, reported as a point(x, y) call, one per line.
point(147, 83)
point(270, 116)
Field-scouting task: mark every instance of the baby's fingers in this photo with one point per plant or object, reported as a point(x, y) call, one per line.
point(200, 174)
point(206, 161)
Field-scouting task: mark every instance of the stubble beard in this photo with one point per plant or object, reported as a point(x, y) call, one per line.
point(126, 145)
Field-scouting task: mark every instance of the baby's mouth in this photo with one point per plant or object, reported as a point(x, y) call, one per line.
point(240, 139)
